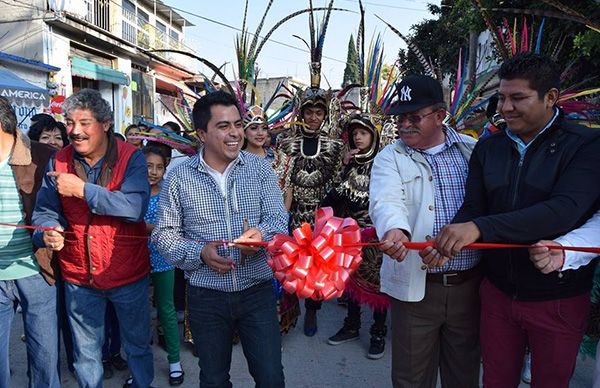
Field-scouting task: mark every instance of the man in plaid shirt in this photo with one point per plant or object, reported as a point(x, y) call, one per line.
point(417, 186)
point(224, 193)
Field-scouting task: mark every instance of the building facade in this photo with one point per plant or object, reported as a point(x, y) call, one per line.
point(62, 46)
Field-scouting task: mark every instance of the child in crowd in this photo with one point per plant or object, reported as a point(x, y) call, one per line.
point(162, 272)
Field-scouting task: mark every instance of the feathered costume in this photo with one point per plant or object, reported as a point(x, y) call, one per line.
point(309, 162)
point(351, 197)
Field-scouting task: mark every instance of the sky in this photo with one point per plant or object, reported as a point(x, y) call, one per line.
point(216, 42)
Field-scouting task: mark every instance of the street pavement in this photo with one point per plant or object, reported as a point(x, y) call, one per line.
point(308, 362)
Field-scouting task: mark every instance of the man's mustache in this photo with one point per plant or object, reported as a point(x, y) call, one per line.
point(77, 137)
point(408, 130)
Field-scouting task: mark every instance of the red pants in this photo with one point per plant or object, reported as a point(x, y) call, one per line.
point(553, 330)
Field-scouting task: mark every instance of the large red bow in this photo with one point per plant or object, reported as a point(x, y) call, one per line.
point(317, 264)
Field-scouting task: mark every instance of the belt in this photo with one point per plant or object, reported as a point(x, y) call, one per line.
point(449, 279)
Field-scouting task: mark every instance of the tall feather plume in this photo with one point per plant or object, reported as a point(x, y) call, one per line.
point(244, 20)
point(241, 50)
point(511, 37)
point(245, 52)
point(260, 25)
point(515, 36)
point(558, 47)
point(545, 13)
point(241, 45)
point(287, 18)
point(572, 12)
point(303, 40)
point(569, 11)
point(206, 62)
point(212, 79)
point(457, 84)
point(360, 42)
point(323, 31)
point(524, 37)
point(538, 42)
point(488, 22)
point(531, 35)
point(311, 27)
point(429, 70)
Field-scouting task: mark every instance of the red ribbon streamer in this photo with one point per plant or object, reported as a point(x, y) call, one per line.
point(316, 264)
point(409, 245)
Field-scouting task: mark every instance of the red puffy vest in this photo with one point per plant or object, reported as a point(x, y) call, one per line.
point(100, 254)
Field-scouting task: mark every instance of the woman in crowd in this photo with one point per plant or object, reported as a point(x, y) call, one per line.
point(51, 132)
point(256, 134)
point(162, 272)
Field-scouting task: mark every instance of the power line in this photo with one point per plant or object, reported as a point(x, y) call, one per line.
point(391, 6)
point(239, 30)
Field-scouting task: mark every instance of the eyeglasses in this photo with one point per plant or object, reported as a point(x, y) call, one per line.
point(413, 118)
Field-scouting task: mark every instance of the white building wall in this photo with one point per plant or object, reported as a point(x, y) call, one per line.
point(123, 98)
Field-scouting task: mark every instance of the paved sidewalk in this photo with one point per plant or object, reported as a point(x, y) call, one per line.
point(308, 362)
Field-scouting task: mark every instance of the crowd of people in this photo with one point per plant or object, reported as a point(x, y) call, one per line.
point(110, 218)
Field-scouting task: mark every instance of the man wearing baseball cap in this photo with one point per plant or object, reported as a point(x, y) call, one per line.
point(417, 185)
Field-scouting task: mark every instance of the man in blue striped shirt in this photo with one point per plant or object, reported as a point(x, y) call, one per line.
point(224, 193)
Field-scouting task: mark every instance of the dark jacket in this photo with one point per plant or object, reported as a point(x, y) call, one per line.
point(553, 189)
point(28, 163)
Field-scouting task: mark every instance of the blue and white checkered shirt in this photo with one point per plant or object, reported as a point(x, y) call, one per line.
point(192, 207)
point(449, 169)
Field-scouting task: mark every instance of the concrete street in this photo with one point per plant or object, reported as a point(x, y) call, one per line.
point(308, 362)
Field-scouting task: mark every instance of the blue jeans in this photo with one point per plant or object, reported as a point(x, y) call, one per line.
point(213, 317)
point(86, 308)
point(38, 302)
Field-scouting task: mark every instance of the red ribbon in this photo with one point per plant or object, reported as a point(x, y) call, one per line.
point(316, 264)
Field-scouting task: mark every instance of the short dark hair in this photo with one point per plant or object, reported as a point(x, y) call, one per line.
point(173, 126)
point(36, 130)
point(89, 99)
point(8, 118)
point(201, 113)
point(153, 149)
point(129, 128)
point(165, 150)
point(541, 71)
point(43, 118)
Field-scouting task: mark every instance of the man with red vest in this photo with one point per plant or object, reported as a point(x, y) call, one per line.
point(94, 196)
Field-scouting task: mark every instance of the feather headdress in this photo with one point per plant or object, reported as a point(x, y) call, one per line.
point(429, 69)
point(365, 103)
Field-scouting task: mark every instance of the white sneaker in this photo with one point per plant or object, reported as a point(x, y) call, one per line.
point(526, 373)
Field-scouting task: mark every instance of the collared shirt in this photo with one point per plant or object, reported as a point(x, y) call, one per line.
point(219, 177)
point(521, 146)
point(129, 203)
point(449, 171)
point(193, 210)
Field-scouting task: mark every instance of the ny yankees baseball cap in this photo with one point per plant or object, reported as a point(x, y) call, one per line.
point(416, 92)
